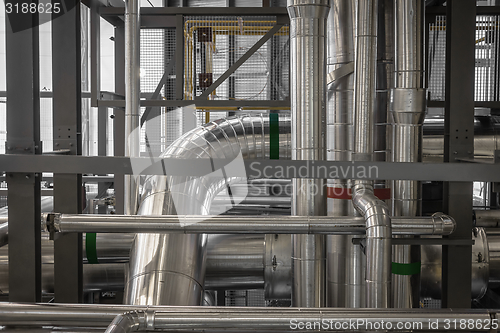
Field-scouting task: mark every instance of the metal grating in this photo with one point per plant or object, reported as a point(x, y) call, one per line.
point(213, 44)
point(157, 51)
point(430, 303)
point(487, 48)
point(245, 298)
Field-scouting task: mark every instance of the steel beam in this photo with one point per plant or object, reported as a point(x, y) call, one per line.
point(67, 109)
point(23, 137)
point(459, 144)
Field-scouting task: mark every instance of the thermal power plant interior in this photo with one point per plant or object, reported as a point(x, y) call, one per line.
point(249, 165)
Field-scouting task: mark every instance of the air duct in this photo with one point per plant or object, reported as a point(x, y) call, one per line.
point(169, 269)
point(407, 115)
point(307, 98)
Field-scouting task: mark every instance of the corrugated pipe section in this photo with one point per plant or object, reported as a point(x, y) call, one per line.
point(407, 114)
point(169, 269)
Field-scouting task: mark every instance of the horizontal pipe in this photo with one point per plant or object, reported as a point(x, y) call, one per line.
point(487, 218)
point(237, 318)
point(437, 224)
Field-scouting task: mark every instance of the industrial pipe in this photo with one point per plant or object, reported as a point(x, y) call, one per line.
point(437, 224)
point(487, 218)
point(308, 109)
point(132, 99)
point(375, 211)
point(180, 260)
point(344, 259)
point(407, 113)
point(237, 319)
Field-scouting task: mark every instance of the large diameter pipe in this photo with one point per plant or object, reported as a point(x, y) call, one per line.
point(179, 259)
point(407, 114)
point(484, 146)
point(308, 99)
point(132, 99)
point(344, 259)
point(378, 245)
point(487, 218)
point(237, 318)
point(437, 224)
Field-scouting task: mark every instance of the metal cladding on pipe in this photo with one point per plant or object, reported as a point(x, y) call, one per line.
point(487, 218)
point(233, 319)
point(365, 76)
point(179, 260)
point(4, 232)
point(378, 245)
point(438, 224)
point(485, 265)
point(344, 259)
point(484, 146)
point(132, 99)
point(407, 114)
point(308, 106)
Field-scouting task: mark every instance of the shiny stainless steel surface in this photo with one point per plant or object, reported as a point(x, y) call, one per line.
point(308, 108)
point(233, 262)
point(431, 266)
point(179, 260)
point(4, 231)
point(484, 146)
point(227, 253)
point(487, 218)
point(407, 113)
point(224, 224)
point(229, 318)
point(343, 258)
point(132, 99)
point(378, 245)
point(278, 267)
point(493, 237)
point(365, 76)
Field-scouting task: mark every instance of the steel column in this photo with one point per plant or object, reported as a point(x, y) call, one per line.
point(459, 143)
point(23, 137)
point(67, 108)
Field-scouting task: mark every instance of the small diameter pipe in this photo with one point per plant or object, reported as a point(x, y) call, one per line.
point(438, 224)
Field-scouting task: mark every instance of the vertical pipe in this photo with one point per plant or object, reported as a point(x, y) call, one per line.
point(376, 213)
point(345, 276)
point(407, 115)
point(308, 71)
point(132, 99)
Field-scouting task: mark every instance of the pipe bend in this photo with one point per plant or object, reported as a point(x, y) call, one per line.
point(127, 322)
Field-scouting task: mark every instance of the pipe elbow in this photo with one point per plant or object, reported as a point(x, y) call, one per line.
point(374, 210)
point(443, 224)
point(127, 322)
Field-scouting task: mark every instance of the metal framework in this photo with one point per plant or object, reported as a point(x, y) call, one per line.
point(23, 163)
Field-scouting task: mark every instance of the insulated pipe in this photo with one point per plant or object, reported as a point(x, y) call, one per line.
point(179, 260)
point(375, 212)
point(378, 245)
point(308, 98)
point(4, 232)
point(484, 145)
point(487, 218)
point(236, 319)
point(407, 115)
point(344, 259)
point(223, 224)
point(132, 99)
